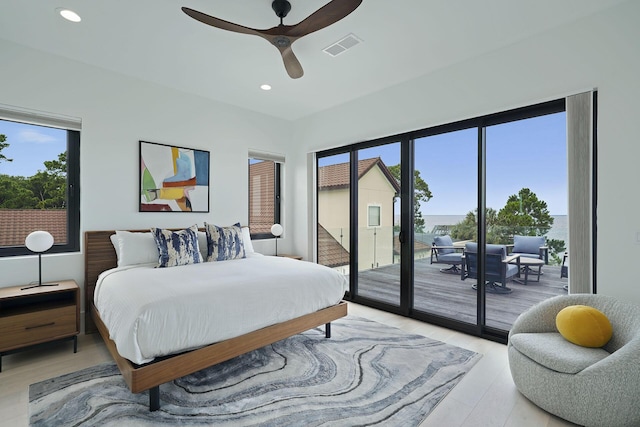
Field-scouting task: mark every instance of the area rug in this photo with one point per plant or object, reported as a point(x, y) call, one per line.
point(366, 374)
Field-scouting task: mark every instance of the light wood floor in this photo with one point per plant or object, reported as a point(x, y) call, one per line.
point(485, 397)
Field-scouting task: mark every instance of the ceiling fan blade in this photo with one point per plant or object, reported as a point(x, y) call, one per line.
point(219, 23)
point(291, 63)
point(328, 14)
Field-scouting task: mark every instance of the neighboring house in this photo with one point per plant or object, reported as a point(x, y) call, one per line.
point(378, 190)
point(16, 224)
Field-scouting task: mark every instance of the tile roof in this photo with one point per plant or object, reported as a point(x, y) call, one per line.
point(330, 251)
point(337, 176)
point(16, 224)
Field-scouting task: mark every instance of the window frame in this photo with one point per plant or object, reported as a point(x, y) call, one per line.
point(277, 191)
point(379, 207)
point(73, 192)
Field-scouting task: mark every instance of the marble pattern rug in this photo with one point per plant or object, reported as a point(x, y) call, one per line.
point(365, 374)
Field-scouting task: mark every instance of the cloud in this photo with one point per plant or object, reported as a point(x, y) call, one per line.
point(37, 137)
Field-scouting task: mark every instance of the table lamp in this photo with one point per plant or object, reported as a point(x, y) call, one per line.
point(39, 241)
point(276, 230)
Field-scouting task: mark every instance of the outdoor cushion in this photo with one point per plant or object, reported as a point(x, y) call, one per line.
point(528, 244)
point(452, 258)
point(583, 325)
point(489, 249)
point(512, 270)
point(443, 241)
point(552, 351)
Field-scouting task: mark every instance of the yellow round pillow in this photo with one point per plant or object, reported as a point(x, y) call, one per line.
point(584, 325)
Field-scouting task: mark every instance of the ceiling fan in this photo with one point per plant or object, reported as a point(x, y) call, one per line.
point(283, 36)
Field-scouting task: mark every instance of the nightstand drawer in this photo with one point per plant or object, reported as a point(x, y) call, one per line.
point(39, 326)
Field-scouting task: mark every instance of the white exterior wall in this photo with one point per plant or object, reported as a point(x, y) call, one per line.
point(375, 244)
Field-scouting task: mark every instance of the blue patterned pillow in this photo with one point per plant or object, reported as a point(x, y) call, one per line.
point(177, 247)
point(224, 243)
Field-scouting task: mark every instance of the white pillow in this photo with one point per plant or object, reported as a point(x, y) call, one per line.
point(246, 240)
point(136, 248)
point(116, 245)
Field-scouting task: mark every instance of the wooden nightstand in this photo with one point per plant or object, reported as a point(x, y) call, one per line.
point(38, 315)
point(298, 257)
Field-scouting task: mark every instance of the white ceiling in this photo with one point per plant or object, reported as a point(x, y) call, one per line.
point(155, 41)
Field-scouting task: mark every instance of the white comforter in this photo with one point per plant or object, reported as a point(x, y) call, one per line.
point(152, 312)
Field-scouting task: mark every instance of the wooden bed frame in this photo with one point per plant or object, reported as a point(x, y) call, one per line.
point(100, 256)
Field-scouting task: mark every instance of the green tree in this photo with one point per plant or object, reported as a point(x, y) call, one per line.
point(15, 193)
point(556, 249)
point(3, 145)
point(467, 229)
point(50, 186)
point(421, 193)
point(525, 214)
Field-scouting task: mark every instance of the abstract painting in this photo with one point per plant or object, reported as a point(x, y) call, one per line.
point(173, 179)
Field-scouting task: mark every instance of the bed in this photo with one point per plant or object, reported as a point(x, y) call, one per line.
point(235, 311)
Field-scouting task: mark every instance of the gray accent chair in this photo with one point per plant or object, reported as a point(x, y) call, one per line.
point(499, 267)
point(587, 386)
point(531, 247)
point(443, 251)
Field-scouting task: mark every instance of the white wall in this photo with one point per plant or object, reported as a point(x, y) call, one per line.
point(600, 52)
point(116, 113)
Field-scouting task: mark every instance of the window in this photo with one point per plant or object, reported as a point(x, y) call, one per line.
point(373, 219)
point(488, 192)
point(39, 181)
point(264, 193)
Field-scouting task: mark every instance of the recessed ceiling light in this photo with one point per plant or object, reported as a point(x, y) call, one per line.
point(69, 15)
point(265, 87)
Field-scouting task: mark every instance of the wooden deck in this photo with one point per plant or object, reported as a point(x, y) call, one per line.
point(447, 295)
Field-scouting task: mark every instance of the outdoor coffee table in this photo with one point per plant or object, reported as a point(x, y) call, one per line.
point(529, 265)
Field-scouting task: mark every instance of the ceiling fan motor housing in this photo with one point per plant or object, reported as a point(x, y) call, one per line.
point(281, 8)
point(281, 41)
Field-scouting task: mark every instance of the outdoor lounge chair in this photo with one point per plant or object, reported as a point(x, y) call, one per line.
point(443, 251)
point(499, 268)
point(531, 247)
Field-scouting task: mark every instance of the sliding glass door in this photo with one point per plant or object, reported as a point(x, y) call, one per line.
point(526, 211)
point(445, 193)
point(378, 204)
point(419, 216)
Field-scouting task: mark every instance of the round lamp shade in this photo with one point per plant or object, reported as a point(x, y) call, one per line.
point(39, 241)
point(276, 230)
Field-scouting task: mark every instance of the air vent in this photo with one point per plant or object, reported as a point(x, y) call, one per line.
point(342, 45)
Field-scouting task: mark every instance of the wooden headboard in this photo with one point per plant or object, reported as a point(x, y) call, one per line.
point(99, 255)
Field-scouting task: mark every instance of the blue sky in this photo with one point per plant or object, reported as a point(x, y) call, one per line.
point(527, 153)
point(29, 146)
